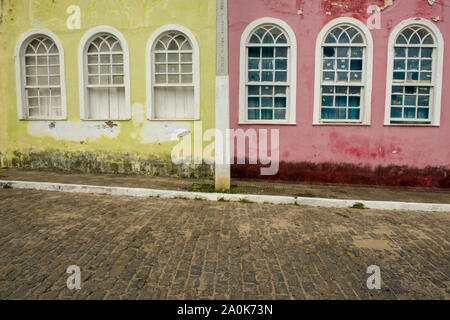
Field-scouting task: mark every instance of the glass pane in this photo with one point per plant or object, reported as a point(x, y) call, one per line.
point(173, 78)
point(186, 68)
point(173, 57)
point(425, 76)
point(186, 78)
point(413, 64)
point(160, 57)
point(105, 58)
point(400, 52)
point(255, 39)
point(118, 58)
point(341, 101)
point(282, 39)
point(358, 39)
point(267, 64)
point(397, 100)
point(267, 76)
point(253, 76)
point(281, 76)
point(342, 76)
point(280, 114)
point(329, 113)
point(328, 64)
point(118, 80)
point(342, 64)
point(399, 76)
point(341, 89)
point(357, 52)
point(342, 52)
point(253, 90)
point(327, 101)
point(328, 89)
point(423, 113)
point(399, 64)
point(396, 112)
point(355, 90)
point(281, 64)
point(354, 101)
point(413, 52)
point(328, 76)
point(253, 64)
point(410, 89)
point(268, 38)
point(427, 52)
point(267, 102)
point(253, 114)
point(281, 52)
point(397, 89)
point(174, 68)
point(253, 102)
point(186, 57)
point(280, 102)
point(160, 78)
point(424, 101)
point(424, 90)
point(426, 65)
point(410, 100)
point(267, 52)
point(353, 114)
point(410, 113)
point(330, 39)
point(414, 76)
point(356, 65)
point(329, 52)
point(428, 40)
point(267, 114)
point(267, 90)
point(254, 52)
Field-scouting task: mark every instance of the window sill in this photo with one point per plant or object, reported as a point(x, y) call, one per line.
point(105, 120)
point(277, 123)
point(43, 120)
point(360, 124)
point(411, 125)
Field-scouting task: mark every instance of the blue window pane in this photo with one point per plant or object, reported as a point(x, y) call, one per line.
point(397, 89)
point(424, 90)
point(424, 101)
point(353, 114)
point(356, 65)
point(342, 76)
point(410, 113)
point(400, 52)
point(253, 102)
point(254, 52)
point(329, 113)
point(267, 64)
point(425, 76)
point(330, 39)
point(281, 76)
point(280, 102)
point(280, 90)
point(282, 39)
point(354, 101)
point(357, 52)
point(396, 112)
point(253, 64)
point(427, 52)
point(342, 64)
point(255, 39)
point(267, 76)
point(426, 65)
point(423, 113)
point(355, 76)
point(413, 52)
point(399, 76)
point(267, 90)
point(341, 101)
point(342, 52)
point(329, 52)
point(281, 52)
point(341, 89)
point(410, 100)
point(413, 76)
point(253, 90)
point(397, 100)
point(327, 101)
point(329, 64)
point(327, 89)
point(281, 65)
point(266, 102)
point(268, 38)
point(328, 76)
point(344, 38)
point(280, 114)
point(413, 64)
point(267, 52)
point(267, 114)
point(253, 76)
point(253, 114)
point(410, 89)
point(354, 90)
point(342, 113)
point(399, 65)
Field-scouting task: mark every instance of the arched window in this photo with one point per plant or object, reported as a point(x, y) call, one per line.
point(414, 78)
point(173, 75)
point(104, 75)
point(268, 71)
point(344, 71)
point(40, 77)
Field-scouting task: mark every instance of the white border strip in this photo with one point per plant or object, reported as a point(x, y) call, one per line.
point(169, 194)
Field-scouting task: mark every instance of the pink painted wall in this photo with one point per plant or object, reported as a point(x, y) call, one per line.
point(374, 145)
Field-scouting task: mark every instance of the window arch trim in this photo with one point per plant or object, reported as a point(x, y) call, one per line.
point(438, 67)
point(195, 68)
point(292, 71)
point(82, 74)
point(24, 40)
point(368, 72)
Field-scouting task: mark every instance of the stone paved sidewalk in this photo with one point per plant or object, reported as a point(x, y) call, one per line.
point(250, 187)
point(149, 248)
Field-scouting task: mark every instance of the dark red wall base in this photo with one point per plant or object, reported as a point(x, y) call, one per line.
point(345, 173)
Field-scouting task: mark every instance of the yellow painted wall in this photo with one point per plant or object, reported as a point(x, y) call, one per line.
point(136, 20)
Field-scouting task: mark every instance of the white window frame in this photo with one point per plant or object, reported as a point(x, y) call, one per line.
point(292, 73)
point(195, 69)
point(367, 72)
point(437, 69)
point(21, 45)
point(82, 73)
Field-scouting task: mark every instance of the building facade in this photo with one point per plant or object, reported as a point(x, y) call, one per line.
point(359, 95)
point(105, 86)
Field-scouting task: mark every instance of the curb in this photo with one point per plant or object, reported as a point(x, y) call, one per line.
point(169, 194)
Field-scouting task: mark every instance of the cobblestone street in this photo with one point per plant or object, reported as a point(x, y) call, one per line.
point(150, 248)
